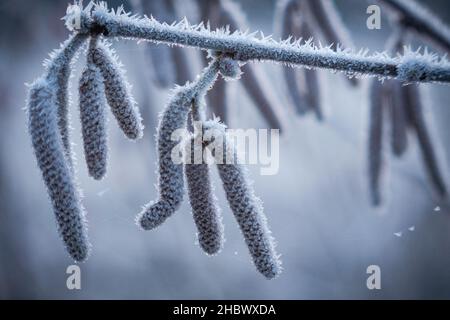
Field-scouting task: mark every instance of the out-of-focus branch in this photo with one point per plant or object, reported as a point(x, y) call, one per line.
point(169, 64)
point(329, 23)
point(227, 13)
point(420, 20)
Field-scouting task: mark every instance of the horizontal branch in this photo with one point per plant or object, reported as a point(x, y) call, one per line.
point(420, 20)
point(410, 67)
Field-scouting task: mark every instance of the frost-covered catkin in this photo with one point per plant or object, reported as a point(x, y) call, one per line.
point(59, 69)
point(417, 121)
point(93, 117)
point(246, 206)
point(170, 180)
point(49, 150)
point(375, 141)
point(205, 210)
point(117, 91)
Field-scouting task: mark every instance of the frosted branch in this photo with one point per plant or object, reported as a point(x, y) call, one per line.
point(244, 46)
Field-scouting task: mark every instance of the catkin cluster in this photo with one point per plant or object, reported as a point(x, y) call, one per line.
point(102, 82)
point(402, 106)
point(306, 19)
point(245, 205)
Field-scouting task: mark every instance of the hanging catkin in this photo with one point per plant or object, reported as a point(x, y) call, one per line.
point(170, 180)
point(205, 211)
point(55, 167)
point(417, 121)
point(93, 117)
point(59, 69)
point(375, 142)
point(117, 91)
point(246, 206)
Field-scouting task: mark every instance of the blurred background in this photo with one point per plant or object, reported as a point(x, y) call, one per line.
point(317, 205)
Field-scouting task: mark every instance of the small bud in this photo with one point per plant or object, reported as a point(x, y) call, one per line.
point(230, 69)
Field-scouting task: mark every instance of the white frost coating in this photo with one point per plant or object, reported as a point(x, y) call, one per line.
point(415, 66)
point(246, 206)
point(93, 117)
point(59, 69)
point(228, 13)
point(205, 211)
point(247, 46)
point(55, 168)
point(118, 91)
point(170, 178)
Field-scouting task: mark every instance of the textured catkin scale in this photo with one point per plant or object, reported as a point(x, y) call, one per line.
point(117, 93)
point(93, 119)
point(246, 207)
point(55, 168)
point(203, 202)
point(171, 180)
point(62, 105)
point(375, 141)
point(419, 125)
